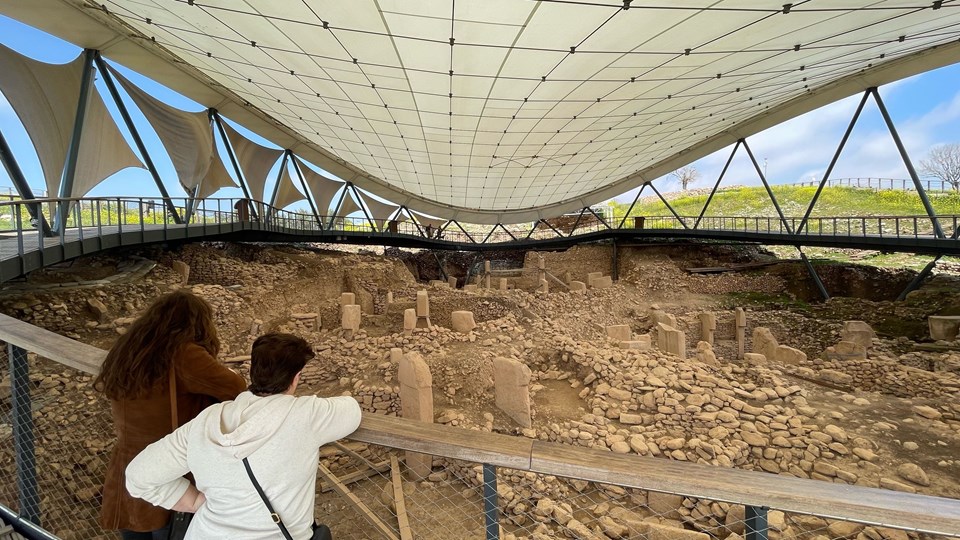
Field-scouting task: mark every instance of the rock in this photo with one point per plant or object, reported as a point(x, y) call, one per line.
point(618, 332)
point(462, 321)
point(858, 332)
point(789, 356)
point(754, 359)
point(844, 529)
point(656, 531)
point(887, 483)
point(913, 473)
point(98, 309)
point(764, 343)
point(836, 433)
point(943, 327)
point(665, 505)
point(927, 412)
point(836, 377)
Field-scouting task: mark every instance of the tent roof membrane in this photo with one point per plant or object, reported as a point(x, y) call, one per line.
point(492, 111)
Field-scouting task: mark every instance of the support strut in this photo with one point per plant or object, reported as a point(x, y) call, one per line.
point(717, 185)
point(813, 274)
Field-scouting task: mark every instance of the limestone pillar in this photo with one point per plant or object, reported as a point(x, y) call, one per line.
point(671, 340)
point(618, 332)
point(592, 276)
point(858, 332)
point(389, 297)
point(740, 322)
point(602, 282)
point(350, 319)
point(416, 403)
point(503, 284)
point(544, 287)
point(765, 343)
point(409, 320)
point(511, 380)
point(183, 269)
point(578, 287)
point(708, 327)
point(462, 321)
point(486, 274)
point(423, 310)
point(452, 281)
point(348, 299)
point(470, 287)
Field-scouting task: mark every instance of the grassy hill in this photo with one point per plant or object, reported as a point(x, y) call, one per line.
point(834, 201)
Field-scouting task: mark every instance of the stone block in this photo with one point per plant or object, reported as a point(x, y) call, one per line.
point(452, 282)
point(593, 275)
point(511, 380)
point(502, 284)
point(389, 297)
point(544, 287)
point(740, 326)
point(664, 505)
point(708, 327)
point(462, 321)
point(603, 282)
point(619, 332)
point(657, 531)
point(754, 359)
point(641, 343)
point(944, 327)
point(409, 320)
point(423, 304)
point(438, 284)
point(789, 355)
point(416, 403)
point(98, 309)
point(706, 355)
point(858, 332)
point(846, 350)
point(183, 269)
point(348, 299)
point(578, 287)
point(764, 343)
point(486, 267)
point(658, 316)
point(671, 340)
point(740, 317)
point(350, 317)
point(470, 287)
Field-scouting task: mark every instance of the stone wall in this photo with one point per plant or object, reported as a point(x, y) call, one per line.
point(888, 377)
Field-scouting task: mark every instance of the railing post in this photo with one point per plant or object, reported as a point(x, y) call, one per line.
point(491, 506)
point(29, 498)
point(755, 518)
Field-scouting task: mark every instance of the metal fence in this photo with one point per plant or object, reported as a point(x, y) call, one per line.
point(56, 435)
point(881, 184)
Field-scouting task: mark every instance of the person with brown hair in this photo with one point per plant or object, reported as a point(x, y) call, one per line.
point(158, 375)
point(255, 458)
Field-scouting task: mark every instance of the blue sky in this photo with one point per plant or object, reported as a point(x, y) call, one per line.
point(925, 108)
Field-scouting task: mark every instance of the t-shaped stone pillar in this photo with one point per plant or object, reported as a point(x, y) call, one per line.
point(511, 381)
point(423, 310)
point(348, 299)
point(416, 403)
point(740, 322)
point(350, 320)
point(708, 327)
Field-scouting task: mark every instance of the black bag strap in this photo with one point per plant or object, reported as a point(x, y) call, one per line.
point(273, 515)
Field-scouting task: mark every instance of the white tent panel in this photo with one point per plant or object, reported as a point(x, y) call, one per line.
point(103, 150)
point(287, 193)
point(217, 178)
point(255, 161)
point(322, 188)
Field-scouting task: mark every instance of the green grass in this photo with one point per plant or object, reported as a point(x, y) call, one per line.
point(794, 200)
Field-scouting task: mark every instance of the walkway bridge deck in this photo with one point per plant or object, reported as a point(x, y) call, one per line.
point(98, 224)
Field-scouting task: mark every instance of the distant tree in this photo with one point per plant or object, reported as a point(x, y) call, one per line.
point(943, 162)
point(686, 176)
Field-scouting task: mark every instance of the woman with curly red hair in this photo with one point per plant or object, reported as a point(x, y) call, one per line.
point(158, 376)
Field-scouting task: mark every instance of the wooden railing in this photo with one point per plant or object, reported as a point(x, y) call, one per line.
point(756, 490)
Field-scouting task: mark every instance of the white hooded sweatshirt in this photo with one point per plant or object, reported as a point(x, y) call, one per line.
point(280, 435)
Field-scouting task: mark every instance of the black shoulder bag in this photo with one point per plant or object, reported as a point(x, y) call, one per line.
point(320, 532)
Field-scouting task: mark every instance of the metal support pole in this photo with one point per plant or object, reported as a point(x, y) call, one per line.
point(233, 161)
point(615, 269)
point(635, 199)
point(937, 230)
point(443, 273)
point(773, 198)
point(336, 208)
point(672, 211)
point(108, 80)
point(826, 176)
point(755, 522)
point(717, 185)
point(412, 219)
point(23, 442)
point(457, 223)
point(554, 229)
point(276, 188)
point(598, 216)
point(73, 151)
point(576, 223)
point(508, 232)
point(915, 284)
point(491, 506)
point(191, 201)
point(20, 182)
point(303, 184)
point(373, 224)
point(489, 234)
point(814, 275)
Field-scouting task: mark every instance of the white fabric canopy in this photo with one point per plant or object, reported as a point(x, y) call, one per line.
point(348, 206)
point(287, 192)
point(255, 161)
point(322, 188)
point(217, 178)
point(187, 136)
point(379, 211)
point(424, 220)
point(507, 111)
point(45, 98)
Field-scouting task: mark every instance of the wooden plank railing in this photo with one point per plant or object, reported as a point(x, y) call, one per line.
point(758, 490)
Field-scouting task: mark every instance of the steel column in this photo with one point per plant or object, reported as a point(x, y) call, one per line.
point(635, 199)
point(491, 505)
point(508, 232)
point(598, 216)
point(20, 182)
point(755, 521)
point(108, 80)
point(937, 230)
point(717, 185)
point(672, 211)
point(577, 222)
point(303, 184)
point(276, 188)
point(763, 178)
point(915, 284)
point(443, 273)
point(23, 437)
point(336, 208)
point(813, 274)
point(833, 162)
point(360, 202)
point(412, 219)
point(73, 151)
point(457, 223)
point(554, 229)
point(233, 161)
point(615, 270)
